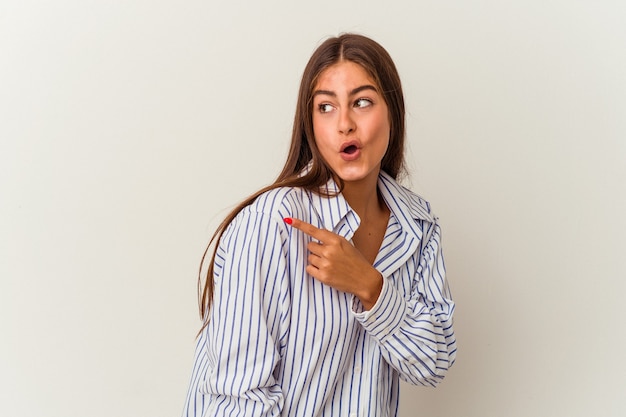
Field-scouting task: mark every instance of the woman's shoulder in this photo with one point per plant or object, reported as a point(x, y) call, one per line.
point(280, 202)
point(265, 215)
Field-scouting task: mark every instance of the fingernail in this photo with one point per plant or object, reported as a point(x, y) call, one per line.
point(288, 220)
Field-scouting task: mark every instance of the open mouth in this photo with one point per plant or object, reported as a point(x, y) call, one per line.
point(350, 149)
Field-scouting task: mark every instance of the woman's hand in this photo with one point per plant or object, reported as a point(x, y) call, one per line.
point(336, 262)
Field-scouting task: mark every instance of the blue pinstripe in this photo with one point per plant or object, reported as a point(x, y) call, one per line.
point(279, 343)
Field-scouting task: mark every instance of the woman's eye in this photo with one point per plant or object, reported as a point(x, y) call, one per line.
point(362, 102)
point(325, 108)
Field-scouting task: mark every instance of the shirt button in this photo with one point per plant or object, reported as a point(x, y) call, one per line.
point(357, 369)
point(352, 414)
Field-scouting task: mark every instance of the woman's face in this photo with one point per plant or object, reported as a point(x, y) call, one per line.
point(350, 122)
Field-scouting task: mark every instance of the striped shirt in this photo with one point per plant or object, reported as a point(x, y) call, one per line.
point(280, 343)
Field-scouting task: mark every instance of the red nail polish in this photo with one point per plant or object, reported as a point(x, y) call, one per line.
point(288, 220)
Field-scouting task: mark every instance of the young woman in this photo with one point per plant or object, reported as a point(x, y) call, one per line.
point(329, 285)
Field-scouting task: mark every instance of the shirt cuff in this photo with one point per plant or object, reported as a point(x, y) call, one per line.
point(386, 316)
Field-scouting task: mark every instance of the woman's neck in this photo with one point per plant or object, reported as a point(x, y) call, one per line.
point(363, 197)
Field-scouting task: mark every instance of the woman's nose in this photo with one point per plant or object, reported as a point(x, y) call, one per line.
point(346, 122)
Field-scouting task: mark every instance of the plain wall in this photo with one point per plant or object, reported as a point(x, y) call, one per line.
point(128, 129)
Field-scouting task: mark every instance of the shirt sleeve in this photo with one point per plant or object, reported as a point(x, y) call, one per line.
point(416, 335)
point(238, 352)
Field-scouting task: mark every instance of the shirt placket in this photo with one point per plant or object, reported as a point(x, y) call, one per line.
point(359, 375)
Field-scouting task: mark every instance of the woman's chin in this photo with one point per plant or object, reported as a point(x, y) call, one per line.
point(356, 175)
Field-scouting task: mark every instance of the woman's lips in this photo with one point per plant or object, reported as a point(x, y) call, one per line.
point(350, 151)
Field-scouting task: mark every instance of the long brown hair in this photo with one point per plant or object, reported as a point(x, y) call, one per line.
point(303, 150)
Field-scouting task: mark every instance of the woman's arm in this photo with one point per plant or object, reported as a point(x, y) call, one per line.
point(239, 350)
point(416, 335)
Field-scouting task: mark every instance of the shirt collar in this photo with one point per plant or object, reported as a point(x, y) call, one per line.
point(336, 214)
point(402, 202)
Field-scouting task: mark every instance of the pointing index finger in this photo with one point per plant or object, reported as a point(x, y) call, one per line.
point(308, 228)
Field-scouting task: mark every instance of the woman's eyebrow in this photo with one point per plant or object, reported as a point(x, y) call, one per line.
point(363, 87)
point(351, 93)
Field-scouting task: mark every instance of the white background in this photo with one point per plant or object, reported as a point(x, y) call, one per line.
point(128, 129)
